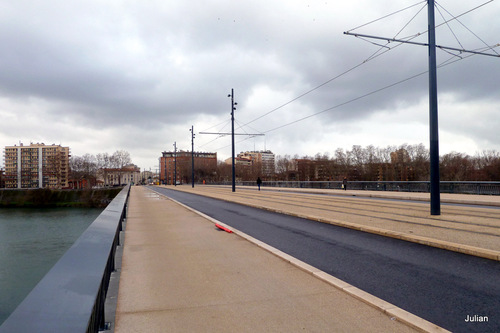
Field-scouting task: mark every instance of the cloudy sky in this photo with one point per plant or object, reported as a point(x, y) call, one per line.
point(101, 76)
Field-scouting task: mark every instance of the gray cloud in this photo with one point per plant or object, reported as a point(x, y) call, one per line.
point(160, 66)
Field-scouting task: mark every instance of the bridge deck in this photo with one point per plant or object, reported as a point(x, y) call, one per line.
point(461, 227)
point(181, 274)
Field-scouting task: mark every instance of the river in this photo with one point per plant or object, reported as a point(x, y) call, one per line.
point(31, 242)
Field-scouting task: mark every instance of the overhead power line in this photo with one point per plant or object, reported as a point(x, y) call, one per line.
point(382, 50)
point(445, 63)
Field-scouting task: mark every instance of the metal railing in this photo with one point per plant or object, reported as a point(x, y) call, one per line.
point(484, 188)
point(71, 296)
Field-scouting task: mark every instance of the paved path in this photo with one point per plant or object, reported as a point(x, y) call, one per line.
point(181, 274)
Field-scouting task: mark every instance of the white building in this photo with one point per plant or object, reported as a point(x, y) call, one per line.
point(264, 157)
point(129, 174)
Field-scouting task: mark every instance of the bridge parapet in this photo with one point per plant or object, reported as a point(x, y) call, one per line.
point(71, 296)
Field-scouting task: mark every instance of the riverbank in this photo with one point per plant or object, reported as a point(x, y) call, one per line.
point(40, 198)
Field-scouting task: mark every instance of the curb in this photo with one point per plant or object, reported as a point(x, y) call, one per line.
point(378, 303)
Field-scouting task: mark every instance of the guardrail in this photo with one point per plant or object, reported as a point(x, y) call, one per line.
point(485, 188)
point(71, 296)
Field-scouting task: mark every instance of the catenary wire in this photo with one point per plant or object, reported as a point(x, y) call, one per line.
point(365, 95)
point(373, 56)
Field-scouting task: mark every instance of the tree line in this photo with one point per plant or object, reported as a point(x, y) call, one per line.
point(391, 163)
point(370, 163)
point(88, 166)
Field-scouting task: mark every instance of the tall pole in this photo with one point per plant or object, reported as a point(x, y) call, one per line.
point(232, 139)
point(433, 115)
point(165, 177)
point(433, 99)
point(175, 163)
point(192, 156)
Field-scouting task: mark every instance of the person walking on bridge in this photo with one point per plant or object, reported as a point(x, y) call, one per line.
point(259, 182)
point(344, 184)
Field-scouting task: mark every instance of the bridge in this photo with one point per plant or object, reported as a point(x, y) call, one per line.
point(294, 259)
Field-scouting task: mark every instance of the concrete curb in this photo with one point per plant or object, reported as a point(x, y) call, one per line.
point(386, 307)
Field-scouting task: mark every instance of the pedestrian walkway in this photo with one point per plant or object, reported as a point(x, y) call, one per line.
point(182, 274)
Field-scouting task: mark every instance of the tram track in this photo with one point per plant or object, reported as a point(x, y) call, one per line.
point(477, 227)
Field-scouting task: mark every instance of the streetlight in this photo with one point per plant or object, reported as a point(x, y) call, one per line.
point(192, 156)
point(175, 163)
point(232, 136)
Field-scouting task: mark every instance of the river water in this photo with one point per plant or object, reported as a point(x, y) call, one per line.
point(31, 242)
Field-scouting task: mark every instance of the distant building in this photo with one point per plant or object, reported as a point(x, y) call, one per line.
point(205, 165)
point(265, 159)
point(239, 161)
point(36, 166)
point(129, 174)
point(148, 177)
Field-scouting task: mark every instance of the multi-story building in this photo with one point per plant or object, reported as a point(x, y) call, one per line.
point(129, 174)
point(179, 164)
point(247, 162)
point(263, 158)
point(36, 166)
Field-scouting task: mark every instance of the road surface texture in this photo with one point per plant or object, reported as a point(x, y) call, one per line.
point(443, 287)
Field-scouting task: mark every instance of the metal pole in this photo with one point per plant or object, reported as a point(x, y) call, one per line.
point(192, 156)
point(175, 163)
point(232, 139)
point(165, 178)
point(433, 115)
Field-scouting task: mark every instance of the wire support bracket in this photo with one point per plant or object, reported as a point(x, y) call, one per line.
point(389, 40)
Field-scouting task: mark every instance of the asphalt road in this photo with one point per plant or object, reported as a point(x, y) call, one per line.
point(440, 286)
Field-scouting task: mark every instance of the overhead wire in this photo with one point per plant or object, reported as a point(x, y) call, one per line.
point(450, 61)
point(388, 15)
point(373, 56)
point(488, 47)
point(443, 64)
point(449, 27)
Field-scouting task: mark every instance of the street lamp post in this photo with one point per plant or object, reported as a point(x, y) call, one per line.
point(232, 138)
point(175, 163)
point(192, 156)
point(433, 115)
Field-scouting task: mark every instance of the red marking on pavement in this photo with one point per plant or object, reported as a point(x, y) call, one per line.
point(223, 228)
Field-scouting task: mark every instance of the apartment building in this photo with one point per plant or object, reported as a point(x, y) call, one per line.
point(36, 166)
point(264, 158)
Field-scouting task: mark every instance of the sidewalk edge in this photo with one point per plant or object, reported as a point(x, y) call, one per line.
point(381, 305)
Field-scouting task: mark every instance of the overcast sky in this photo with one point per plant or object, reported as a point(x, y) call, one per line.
point(101, 76)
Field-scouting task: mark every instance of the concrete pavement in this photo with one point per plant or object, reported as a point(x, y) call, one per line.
point(182, 274)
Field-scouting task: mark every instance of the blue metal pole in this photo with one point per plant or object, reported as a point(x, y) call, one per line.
point(175, 163)
point(433, 115)
point(192, 156)
point(232, 141)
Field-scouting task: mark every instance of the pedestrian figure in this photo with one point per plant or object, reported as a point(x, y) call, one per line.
point(259, 181)
point(344, 184)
